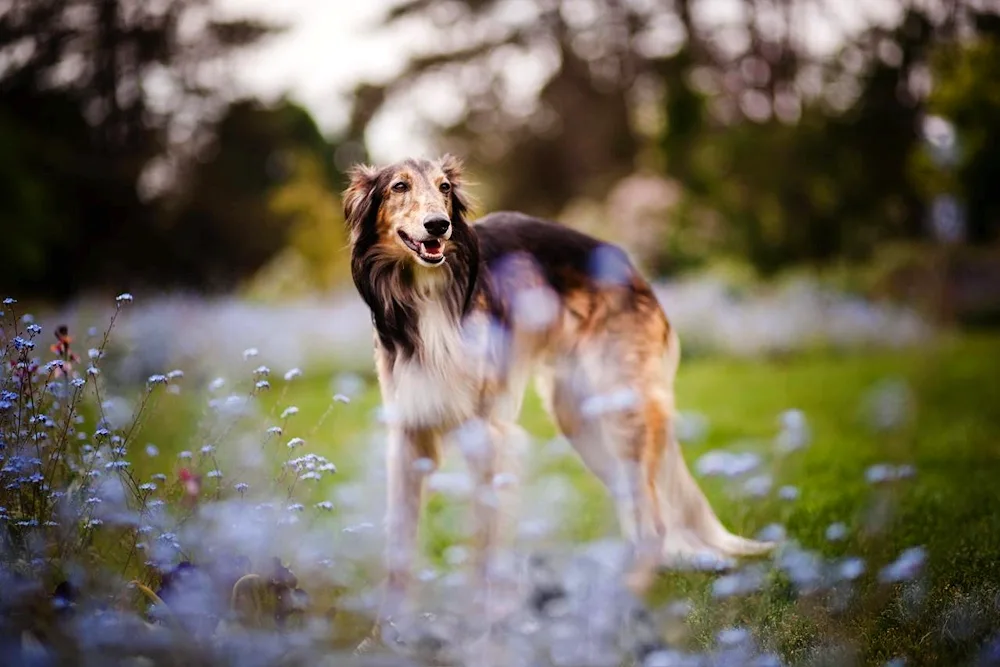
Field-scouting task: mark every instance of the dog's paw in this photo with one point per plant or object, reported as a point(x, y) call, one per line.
point(383, 635)
point(703, 561)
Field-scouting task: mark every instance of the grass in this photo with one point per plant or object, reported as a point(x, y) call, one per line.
point(951, 507)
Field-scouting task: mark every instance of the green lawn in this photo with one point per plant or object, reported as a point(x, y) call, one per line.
point(951, 506)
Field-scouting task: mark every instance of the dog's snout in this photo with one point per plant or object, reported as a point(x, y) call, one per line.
point(437, 225)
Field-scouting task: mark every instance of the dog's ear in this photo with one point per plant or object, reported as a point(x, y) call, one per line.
point(359, 197)
point(462, 232)
point(454, 169)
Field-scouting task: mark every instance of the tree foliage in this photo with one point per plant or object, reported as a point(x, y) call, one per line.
point(124, 160)
point(804, 154)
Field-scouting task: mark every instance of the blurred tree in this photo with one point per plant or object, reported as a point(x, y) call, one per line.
point(238, 202)
point(803, 179)
point(93, 93)
point(968, 97)
point(577, 136)
point(803, 155)
point(314, 260)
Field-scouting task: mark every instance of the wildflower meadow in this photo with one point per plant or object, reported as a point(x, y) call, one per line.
point(186, 517)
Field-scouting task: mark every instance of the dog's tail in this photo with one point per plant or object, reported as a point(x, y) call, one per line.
point(692, 528)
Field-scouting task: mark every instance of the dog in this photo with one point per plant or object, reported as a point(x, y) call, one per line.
point(465, 315)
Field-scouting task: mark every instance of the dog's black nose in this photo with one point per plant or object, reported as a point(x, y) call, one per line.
point(437, 225)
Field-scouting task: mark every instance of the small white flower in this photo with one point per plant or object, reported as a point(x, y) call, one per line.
point(907, 566)
point(148, 486)
point(241, 486)
point(175, 374)
point(185, 455)
point(152, 450)
point(274, 430)
point(296, 507)
point(93, 370)
point(880, 472)
point(851, 568)
point(296, 442)
point(216, 384)
point(292, 374)
point(289, 411)
point(22, 344)
point(836, 532)
point(324, 505)
point(124, 297)
point(263, 385)
point(214, 474)
point(207, 449)
point(340, 398)
point(250, 352)
point(157, 379)
point(52, 365)
point(788, 493)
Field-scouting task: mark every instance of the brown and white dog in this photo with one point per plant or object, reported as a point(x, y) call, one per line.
point(465, 315)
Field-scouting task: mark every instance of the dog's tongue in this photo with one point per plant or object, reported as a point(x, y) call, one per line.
point(432, 247)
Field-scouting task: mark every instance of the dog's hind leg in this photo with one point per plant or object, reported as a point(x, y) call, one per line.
point(614, 444)
point(691, 525)
point(616, 407)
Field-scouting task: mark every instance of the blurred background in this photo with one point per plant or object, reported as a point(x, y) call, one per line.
point(811, 184)
point(199, 146)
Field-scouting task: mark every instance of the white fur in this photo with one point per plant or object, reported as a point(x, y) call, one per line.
point(439, 385)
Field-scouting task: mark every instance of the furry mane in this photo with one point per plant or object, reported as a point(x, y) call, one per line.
point(388, 284)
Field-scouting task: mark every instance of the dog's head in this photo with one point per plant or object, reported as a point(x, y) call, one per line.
point(407, 221)
point(412, 211)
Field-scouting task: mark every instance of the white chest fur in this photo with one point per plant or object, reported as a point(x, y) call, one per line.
point(438, 386)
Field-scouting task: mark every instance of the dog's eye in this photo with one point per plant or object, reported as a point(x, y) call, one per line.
point(400, 186)
point(445, 187)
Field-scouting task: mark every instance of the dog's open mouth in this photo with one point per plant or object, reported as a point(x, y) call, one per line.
point(431, 250)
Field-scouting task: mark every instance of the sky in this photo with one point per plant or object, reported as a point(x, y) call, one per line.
point(331, 45)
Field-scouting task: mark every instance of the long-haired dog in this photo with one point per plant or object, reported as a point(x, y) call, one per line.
point(466, 314)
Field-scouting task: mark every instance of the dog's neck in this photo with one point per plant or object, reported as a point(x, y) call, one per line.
point(411, 296)
point(431, 283)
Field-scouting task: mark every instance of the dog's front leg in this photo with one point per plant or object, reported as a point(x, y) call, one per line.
point(491, 455)
point(409, 452)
